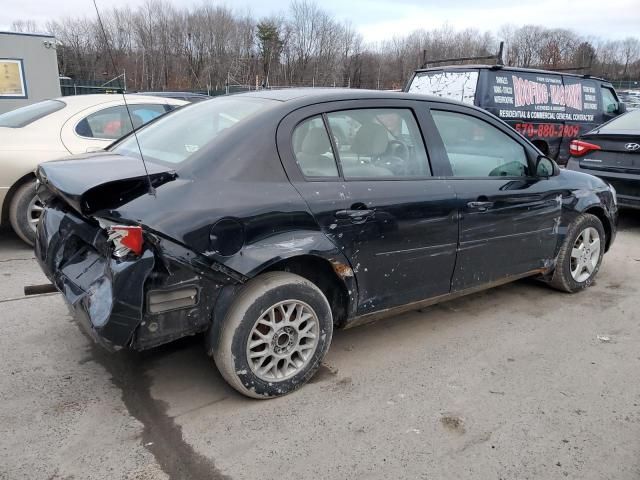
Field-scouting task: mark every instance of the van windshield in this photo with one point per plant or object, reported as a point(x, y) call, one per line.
point(174, 137)
point(460, 86)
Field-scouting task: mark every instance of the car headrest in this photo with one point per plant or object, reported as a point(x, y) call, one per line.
point(371, 140)
point(315, 142)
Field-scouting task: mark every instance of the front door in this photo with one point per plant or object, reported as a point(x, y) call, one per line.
point(508, 217)
point(370, 187)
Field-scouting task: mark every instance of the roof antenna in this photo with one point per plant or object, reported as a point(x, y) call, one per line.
point(152, 191)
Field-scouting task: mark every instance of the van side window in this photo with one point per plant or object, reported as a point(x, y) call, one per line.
point(478, 149)
point(312, 149)
point(609, 102)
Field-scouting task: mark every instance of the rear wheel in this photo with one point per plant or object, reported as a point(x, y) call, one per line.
point(274, 336)
point(580, 255)
point(24, 212)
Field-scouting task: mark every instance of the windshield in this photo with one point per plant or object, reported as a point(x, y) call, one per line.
point(22, 117)
point(178, 135)
point(629, 121)
point(460, 86)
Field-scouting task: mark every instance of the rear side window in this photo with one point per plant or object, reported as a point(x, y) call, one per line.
point(478, 149)
point(459, 86)
point(383, 142)
point(21, 117)
point(312, 149)
point(174, 138)
point(113, 122)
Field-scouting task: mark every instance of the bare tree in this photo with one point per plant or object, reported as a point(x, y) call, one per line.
point(208, 47)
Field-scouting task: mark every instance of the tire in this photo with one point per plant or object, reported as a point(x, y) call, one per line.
point(284, 354)
point(22, 210)
point(564, 276)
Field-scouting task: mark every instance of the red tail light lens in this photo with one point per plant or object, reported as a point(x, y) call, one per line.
point(578, 148)
point(126, 240)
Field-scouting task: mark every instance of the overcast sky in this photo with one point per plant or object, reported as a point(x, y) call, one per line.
point(380, 19)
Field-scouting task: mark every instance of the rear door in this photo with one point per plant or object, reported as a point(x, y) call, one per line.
point(371, 189)
point(508, 217)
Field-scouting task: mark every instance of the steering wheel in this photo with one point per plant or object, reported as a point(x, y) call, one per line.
point(396, 148)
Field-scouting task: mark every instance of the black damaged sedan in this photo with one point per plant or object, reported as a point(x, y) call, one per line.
point(269, 219)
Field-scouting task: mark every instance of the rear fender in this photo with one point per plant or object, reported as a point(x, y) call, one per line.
point(259, 256)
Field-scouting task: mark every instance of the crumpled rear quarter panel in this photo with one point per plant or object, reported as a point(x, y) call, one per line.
point(109, 296)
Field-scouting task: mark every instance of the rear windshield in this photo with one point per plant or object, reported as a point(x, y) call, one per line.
point(629, 121)
point(175, 137)
point(460, 86)
point(22, 117)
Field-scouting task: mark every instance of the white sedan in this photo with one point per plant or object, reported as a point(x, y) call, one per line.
point(53, 129)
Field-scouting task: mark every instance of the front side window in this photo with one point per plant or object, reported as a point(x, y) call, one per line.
point(383, 142)
point(113, 122)
point(312, 149)
point(21, 117)
point(478, 149)
point(609, 102)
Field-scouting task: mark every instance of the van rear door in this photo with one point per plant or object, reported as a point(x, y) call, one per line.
point(460, 85)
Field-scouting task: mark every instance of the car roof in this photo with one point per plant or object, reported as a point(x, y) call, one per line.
point(172, 94)
point(510, 69)
point(82, 101)
point(319, 95)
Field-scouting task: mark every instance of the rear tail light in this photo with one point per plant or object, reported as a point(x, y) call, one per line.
point(126, 240)
point(578, 148)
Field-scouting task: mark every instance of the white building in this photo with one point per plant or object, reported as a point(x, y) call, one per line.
point(28, 69)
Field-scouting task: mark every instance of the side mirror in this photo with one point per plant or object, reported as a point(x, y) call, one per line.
point(622, 107)
point(545, 167)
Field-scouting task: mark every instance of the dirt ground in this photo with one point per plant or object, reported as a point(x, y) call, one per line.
point(519, 382)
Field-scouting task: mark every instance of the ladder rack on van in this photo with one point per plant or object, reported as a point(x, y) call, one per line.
point(497, 57)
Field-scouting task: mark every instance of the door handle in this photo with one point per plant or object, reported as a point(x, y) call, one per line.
point(356, 216)
point(479, 206)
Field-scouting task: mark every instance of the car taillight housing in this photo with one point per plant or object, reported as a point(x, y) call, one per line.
point(578, 148)
point(126, 240)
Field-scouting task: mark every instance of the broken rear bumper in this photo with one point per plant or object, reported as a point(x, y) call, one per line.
point(105, 295)
point(141, 302)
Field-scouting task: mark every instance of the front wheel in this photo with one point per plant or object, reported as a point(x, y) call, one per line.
point(580, 255)
point(274, 335)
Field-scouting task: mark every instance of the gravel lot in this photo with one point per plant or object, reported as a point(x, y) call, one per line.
point(519, 382)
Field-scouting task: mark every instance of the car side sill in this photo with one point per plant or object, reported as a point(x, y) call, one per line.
point(389, 312)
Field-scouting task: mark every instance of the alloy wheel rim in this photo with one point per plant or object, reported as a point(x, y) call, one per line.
point(585, 254)
point(34, 212)
point(283, 340)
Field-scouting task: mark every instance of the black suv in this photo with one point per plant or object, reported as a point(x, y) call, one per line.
point(268, 219)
